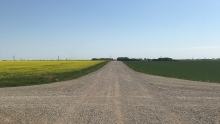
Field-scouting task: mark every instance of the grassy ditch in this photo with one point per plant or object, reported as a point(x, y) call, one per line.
point(24, 73)
point(207, 71)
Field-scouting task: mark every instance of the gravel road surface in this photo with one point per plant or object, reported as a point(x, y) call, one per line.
point(115, 94)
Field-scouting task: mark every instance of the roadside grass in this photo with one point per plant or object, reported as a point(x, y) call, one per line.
point(207, 71)
point(24, 73)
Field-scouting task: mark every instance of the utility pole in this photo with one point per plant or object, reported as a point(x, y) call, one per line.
point(14, 57)
point(58, 57)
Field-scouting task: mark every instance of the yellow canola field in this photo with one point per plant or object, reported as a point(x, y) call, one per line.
point(11, 69)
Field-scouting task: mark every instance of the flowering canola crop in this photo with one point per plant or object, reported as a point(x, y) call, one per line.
point(14, 69)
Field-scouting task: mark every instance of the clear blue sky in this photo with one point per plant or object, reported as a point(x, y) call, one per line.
point(83, 29)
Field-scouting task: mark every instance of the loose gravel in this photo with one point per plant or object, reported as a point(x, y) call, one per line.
point(113, 94)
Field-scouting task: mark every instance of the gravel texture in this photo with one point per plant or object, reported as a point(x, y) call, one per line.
point(113, 94)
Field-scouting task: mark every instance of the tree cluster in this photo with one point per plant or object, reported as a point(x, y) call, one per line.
point(163, 59)
point(110, 59)
point(140, 59)
point(128, 59)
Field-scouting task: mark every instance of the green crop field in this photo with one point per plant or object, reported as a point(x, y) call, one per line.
point(20, 73)
point(208, 71)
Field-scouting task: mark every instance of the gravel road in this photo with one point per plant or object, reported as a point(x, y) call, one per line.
point(113, 94)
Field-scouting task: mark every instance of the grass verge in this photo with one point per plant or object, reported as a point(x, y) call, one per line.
point(43, 79)
point(207, 71)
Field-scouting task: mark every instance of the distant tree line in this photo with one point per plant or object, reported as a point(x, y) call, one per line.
point(110, 59)
point(140, 59)
point(163, 59)
point(128, 59)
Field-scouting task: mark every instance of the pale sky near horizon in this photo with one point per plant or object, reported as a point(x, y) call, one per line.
point(85, 29)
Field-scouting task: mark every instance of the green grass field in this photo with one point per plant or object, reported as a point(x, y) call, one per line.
point(208, 71)
point(22, 73)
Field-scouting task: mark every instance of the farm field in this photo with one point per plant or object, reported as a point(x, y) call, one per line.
point(20, 73)
point(207, 71)
point(114, 94)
